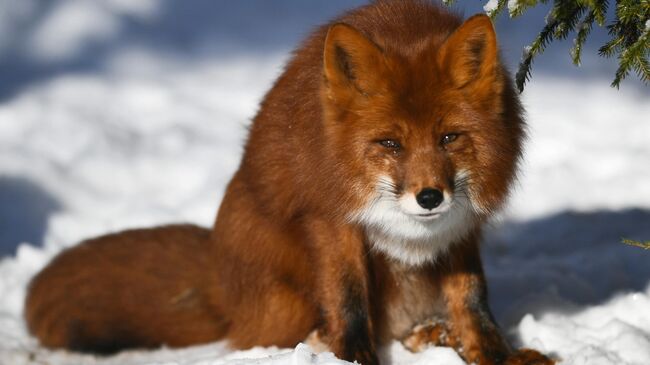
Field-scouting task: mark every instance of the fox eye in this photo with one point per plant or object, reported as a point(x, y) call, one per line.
point(448, 138)
point(390, 143)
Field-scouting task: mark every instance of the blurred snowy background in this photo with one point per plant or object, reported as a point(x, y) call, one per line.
point(122, 113)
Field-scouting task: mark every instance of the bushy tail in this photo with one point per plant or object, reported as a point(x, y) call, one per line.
point(135, 289)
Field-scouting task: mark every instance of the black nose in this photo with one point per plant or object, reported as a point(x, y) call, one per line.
point(429, 198)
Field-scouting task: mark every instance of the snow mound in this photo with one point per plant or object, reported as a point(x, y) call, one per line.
point(617, 332)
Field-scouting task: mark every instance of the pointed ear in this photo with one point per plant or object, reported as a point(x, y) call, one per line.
point(469, 55)
point(352, 63)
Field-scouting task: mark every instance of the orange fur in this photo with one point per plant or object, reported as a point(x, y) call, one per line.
point(315, 230)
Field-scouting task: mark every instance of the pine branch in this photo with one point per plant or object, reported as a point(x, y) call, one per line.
point(644, 245)
point(518, 7)
point(537, 47)
point(584, 28)
point(634, 44)
point(629, 32)
point(599, 8)
point(562, 18)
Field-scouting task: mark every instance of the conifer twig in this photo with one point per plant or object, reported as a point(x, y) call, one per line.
point(629, 32)
point(643, 245)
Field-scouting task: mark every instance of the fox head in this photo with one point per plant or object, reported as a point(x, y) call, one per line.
point(434, 126)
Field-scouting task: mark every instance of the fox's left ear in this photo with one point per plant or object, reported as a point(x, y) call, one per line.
point(470, 55)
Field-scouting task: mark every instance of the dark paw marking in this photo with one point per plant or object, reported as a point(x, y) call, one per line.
point(528, 357)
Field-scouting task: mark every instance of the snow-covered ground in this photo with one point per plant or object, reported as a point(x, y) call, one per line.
point(120, 114)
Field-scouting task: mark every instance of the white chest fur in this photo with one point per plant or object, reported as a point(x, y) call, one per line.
point(393, 230)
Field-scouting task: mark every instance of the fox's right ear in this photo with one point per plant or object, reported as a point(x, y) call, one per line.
point(352, 63)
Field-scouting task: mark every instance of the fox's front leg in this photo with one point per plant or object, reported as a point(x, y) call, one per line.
point(343, 287)
point(471, 325)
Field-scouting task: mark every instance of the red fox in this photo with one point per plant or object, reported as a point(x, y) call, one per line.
point(355, 215)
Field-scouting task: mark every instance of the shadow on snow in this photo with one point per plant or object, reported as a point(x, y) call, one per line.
point(565, 261)
point(24, 212)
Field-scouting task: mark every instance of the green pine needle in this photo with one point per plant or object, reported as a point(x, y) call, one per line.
point(644, 245)
point(584, 29)
point(629, 33)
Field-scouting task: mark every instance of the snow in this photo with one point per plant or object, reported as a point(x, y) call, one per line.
point(106, 124)
point(513, 6)
point(616, 332)
point(65, 31)
point(491, 6)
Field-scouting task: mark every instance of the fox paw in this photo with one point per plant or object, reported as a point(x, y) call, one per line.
point(528, 357)
point(317, 342)
point(432, 333)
